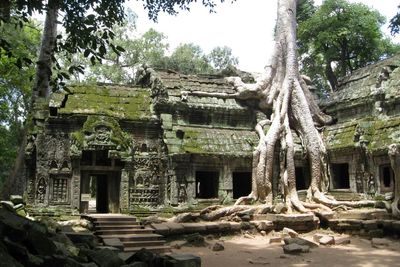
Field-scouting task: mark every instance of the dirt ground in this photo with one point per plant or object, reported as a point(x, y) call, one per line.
point(243, 251)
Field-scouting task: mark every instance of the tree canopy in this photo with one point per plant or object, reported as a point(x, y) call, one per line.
point(16, 82)
point(341, 37)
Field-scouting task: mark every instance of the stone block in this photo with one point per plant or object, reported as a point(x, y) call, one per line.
point(263, 225)
point(217, 247)
point(104, 257)
point(275, 240)
point(182, 260)
point(175, 228)
point(113, 242)
point(327, 240)
point(224, 226)
point(379, 242)
point(370, 224)
point(342, 240)
point(289, 232)
point(83, 238)
point(260, 217)
point(40, 243)
point(295, 249)
point(212, 227)
point(160, 228)
point(317, 237)
point(194, 227)
point(235, 226)
point(300, 241)
point(142, 255)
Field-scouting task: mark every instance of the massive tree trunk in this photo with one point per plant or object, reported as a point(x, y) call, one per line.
point(41, 86)
point(16, 183)
point(394, 155)
point(282, 89)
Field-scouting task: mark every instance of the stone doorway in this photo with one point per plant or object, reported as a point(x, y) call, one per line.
point(241, 184)
point(100, 191)
point(207, 184)
point(340, 176)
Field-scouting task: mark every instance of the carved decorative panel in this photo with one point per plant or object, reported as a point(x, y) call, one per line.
point(60, 190)
point(144, 196)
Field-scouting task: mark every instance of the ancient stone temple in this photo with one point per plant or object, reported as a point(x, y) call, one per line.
point(113, 148)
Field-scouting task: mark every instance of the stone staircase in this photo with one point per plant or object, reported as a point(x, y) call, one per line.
point(128, 231)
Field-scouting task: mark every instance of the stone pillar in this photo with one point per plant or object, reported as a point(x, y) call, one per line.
point(225, 183)
point(76, 183)
point(124, 192)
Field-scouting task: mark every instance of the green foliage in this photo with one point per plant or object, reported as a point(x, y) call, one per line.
point(305, 10)
point(15, 86)
point(15, 79)
point(221, 58)
point(394, 24)
point(9, 142)
point(339, 38)
point(88, 27)
point(189, 59)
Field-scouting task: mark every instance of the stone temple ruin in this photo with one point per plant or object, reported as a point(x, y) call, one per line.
point(113, 148)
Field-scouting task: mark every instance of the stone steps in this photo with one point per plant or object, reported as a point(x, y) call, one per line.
point(115, 223)
point(102, 227)
point(128, 231)
point(125, 231)
point(134, 237)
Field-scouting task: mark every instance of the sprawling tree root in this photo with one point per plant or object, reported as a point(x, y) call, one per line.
point(294, 110)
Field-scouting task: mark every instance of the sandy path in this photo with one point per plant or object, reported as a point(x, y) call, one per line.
point(240, 251)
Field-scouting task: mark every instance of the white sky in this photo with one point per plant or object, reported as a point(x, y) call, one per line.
point(246, 26)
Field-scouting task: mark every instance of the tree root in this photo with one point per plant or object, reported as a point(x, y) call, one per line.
point(321, 198)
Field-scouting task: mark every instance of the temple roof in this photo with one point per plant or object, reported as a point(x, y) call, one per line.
point(380, 78)
point(376, 134)
point(203, 140)
point(131, 103)
point(175, 83)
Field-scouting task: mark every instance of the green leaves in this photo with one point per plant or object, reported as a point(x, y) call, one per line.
point(341, 34)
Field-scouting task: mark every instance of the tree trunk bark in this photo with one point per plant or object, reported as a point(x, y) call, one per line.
point(293, 110)
point(46, 54)
point(16, 183)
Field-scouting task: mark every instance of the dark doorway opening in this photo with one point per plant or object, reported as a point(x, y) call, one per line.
point(207, 184)
point(386, 176)
point(101, 193)
point(301, 182)
point(241, 184)
point(340, 176)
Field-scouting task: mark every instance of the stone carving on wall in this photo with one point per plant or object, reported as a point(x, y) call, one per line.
point(101, 136)
point(99, 133)
point(59, 192)
point(182, 194)
point(41, 190)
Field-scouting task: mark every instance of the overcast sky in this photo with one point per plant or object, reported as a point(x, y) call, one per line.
point(245, 26)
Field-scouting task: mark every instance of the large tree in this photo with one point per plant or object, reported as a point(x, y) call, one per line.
point(15, 88)
point(87, 28)
point(282, 90)
point(339, 37)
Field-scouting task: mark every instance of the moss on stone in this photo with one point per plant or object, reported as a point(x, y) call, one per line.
point(120, 102)
point(118, 137)
point(376, 133)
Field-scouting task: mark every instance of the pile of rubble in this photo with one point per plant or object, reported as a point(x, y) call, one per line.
point(24, 242)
